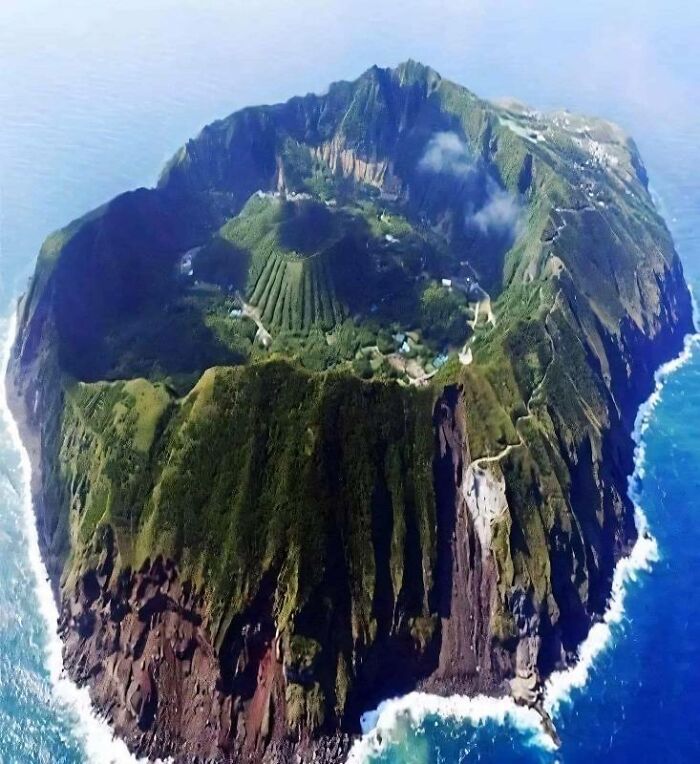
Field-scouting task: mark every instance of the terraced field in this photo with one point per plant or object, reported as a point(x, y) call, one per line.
point(294, 293)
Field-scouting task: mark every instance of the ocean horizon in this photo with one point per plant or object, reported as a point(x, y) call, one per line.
point(69, 142)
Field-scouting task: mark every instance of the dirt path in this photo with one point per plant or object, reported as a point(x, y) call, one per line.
point(478, 463)
point(250, 311)
point(561, 226)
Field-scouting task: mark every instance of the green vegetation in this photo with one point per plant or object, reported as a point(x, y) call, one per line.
point(237, 367)
point(107, 435)
point(444, 315)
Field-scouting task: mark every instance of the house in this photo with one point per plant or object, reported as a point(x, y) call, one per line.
point(187, 261)
point(186, 265)
point(236, 313)
point(447, 283)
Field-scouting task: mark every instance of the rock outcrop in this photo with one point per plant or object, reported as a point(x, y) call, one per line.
point(251, 546)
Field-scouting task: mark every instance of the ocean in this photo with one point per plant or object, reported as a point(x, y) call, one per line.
point(95, 95)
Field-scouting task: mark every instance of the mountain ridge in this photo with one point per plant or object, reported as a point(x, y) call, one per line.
point(341, 408)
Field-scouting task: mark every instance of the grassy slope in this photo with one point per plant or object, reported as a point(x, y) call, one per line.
point(321, 482)
point(262, 473)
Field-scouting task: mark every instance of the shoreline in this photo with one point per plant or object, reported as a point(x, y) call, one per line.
point(379, 726)
point(96, 737)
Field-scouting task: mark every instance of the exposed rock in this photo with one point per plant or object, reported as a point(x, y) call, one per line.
point(350, 539)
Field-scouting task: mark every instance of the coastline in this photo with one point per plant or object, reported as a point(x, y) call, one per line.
point(380, 726)
point(97, 738)
point(100, 741)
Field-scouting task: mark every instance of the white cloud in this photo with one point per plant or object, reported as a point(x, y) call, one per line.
point(446, 152)
point(500, 214)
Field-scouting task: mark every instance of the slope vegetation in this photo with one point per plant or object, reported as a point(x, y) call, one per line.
point(287, 466)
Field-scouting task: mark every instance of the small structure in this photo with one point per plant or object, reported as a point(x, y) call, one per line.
point(236, 313)
point(405, 347)
point(466, 356)
point(391, 239)
point(440, 360)
point(447, 283)
point(263, 337)
point(399, 338)
point(297, 196)
point(187, 262)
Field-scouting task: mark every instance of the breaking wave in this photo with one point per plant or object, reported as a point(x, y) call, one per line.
point(644, 553)
point(94, 734)
point(384, 726)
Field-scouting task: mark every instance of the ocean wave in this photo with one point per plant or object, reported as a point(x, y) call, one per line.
point(644, 552)
point(388, 724)
point(93, 733)
point(559, 686)
point(381, 728)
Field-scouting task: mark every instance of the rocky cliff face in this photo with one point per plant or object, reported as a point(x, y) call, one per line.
point(250, 551)
point(466, 578)
point(140, 641)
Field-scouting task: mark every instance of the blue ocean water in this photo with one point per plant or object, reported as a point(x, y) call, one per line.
point(95, 95)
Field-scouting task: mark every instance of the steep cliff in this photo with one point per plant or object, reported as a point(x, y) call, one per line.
point(342, 408)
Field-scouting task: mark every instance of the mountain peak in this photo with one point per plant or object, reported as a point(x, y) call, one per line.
point(414, 71)
point(407, 72)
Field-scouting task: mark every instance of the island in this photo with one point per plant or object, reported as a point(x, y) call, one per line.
point(340, 409)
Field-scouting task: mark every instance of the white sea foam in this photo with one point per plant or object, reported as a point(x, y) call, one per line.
point(644, 553)
point(385, 726)
point(96, 737)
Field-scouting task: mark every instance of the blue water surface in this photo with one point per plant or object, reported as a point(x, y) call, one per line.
point(94, 96)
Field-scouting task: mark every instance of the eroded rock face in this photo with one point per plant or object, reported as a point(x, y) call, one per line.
point(344, 160)
point(141, 642)
point(354, 539)
point(137, 639)
point(466, 574)
point(484, 491)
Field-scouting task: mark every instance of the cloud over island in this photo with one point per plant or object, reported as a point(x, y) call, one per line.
point(499, 211)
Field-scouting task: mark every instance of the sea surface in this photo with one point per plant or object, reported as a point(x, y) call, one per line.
point(94, 96)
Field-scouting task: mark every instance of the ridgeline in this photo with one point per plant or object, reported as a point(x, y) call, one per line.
point(342, 408)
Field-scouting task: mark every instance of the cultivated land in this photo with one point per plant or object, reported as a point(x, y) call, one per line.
point(342, 408)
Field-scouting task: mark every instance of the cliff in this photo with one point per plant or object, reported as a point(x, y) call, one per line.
point(342, 408)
